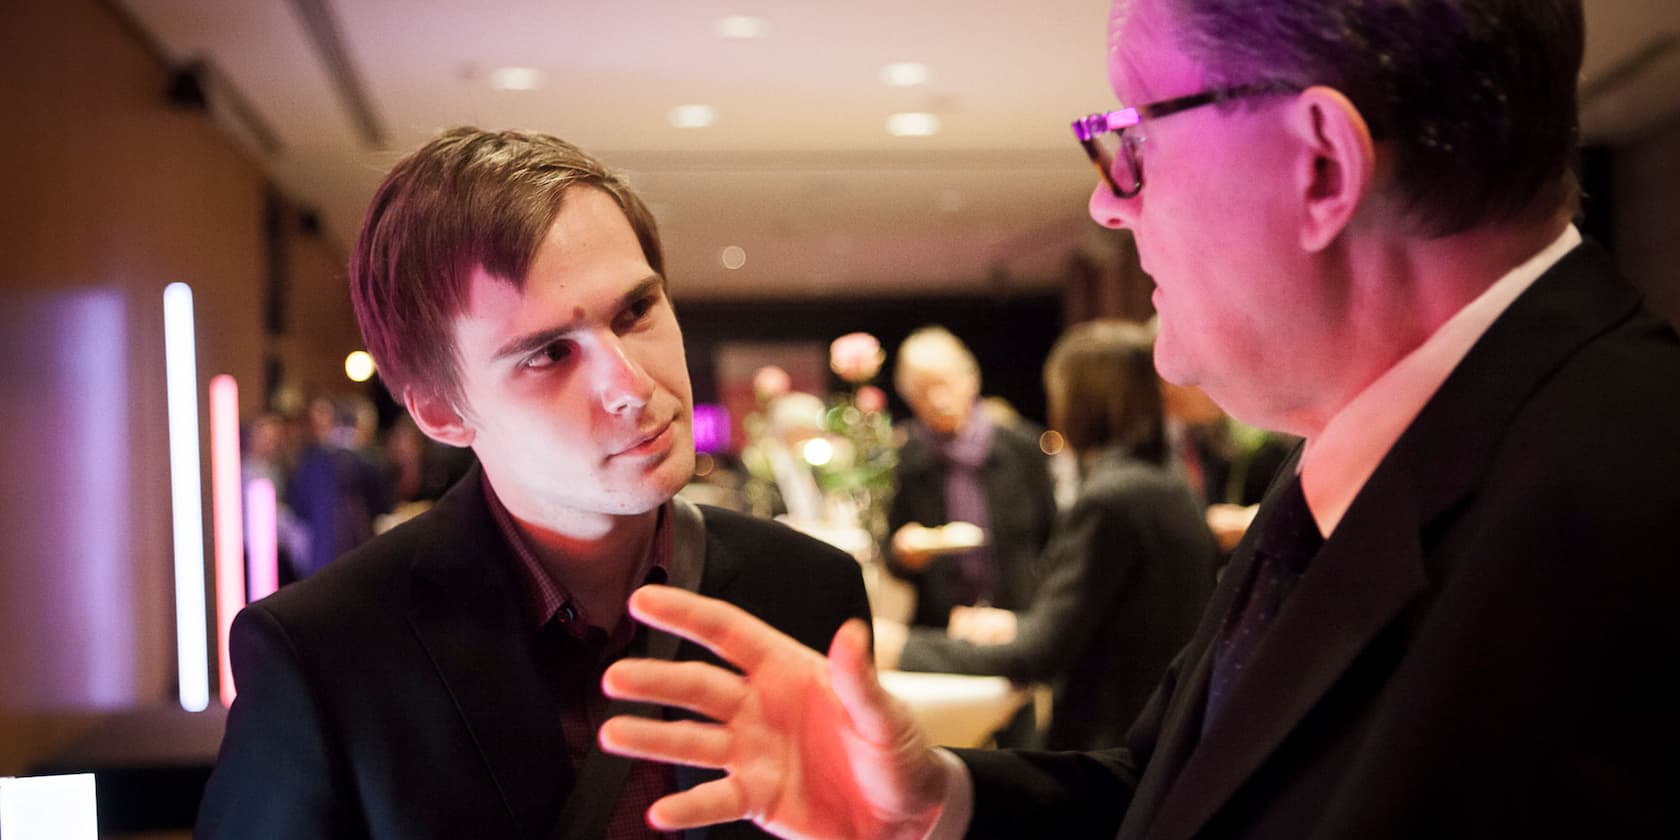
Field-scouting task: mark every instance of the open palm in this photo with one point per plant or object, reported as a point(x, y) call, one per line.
point(812, 747)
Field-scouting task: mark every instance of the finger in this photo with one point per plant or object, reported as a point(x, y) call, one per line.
point(717, 801)
point(851, 670)
point(725, 629)
point(673, 742)
point(695, 686)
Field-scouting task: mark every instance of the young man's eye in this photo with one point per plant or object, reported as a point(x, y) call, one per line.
point(551, 354)
point(637, 310)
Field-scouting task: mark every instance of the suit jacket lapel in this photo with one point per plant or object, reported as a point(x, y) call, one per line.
point(468, 616)
point(1360, 580)
point(1374, 564)
point(1181, 727)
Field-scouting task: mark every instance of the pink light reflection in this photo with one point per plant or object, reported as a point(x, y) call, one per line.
point(262, 537)
point(711, 428)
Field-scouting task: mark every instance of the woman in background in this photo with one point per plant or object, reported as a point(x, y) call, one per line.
point(1129, 566)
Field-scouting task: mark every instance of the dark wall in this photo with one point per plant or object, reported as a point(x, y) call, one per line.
point(1009, 336)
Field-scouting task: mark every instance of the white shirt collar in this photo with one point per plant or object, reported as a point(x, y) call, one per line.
point(1340, 458)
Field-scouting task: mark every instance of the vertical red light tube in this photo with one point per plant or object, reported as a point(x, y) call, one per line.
point(228, 513)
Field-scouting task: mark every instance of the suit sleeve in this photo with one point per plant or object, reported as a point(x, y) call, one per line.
point(1087, 561)
point(899, 514)
point(276, 776)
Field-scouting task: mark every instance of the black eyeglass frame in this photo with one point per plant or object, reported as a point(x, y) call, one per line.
point(1087, 129)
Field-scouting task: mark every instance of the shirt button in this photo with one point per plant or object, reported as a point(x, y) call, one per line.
point(567, 614)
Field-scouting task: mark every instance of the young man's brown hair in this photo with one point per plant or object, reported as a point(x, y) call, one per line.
point(468, 198)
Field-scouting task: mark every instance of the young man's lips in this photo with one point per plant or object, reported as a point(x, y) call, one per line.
point(652, 444)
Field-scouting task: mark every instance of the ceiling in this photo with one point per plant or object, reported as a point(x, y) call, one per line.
point(798, 170)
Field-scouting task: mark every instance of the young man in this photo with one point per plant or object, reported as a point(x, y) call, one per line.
point(443, 680)
point(1453, 615)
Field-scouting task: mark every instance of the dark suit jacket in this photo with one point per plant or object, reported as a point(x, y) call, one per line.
point(1130, 567)
point(402, 693)
point(1484, 647)
point(1022, 504)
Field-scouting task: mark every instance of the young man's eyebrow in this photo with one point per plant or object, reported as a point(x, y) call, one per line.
point(532, 342)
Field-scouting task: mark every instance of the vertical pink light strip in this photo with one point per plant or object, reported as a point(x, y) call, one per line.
point(263, 537)
point(228, 518)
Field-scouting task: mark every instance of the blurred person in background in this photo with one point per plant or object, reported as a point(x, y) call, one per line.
point(786, 485)
point(1228, 464)
point(443, 680)
point(336, 491)
point(420, 470)
point(1129, 566)
point(959, 466)
point(264, 457)
point(1454, 614)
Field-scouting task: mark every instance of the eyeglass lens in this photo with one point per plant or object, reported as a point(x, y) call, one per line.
point(1118, 156)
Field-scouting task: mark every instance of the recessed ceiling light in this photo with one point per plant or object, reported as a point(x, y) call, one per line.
point(693, 116)
point(516, 78)
point(904, 74)
point(741, 26)
point(733, 257)
point(912, 124)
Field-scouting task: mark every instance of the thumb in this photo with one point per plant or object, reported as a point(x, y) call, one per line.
point(851, 672)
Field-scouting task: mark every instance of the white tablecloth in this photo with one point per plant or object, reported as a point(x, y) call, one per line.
point(957, 710)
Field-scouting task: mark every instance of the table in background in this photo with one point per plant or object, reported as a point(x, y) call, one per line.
point(957, 710)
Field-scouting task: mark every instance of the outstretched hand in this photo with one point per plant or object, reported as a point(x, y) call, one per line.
point(812, 747)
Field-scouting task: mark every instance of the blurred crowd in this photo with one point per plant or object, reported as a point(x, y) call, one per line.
point(1076, 555)
point(1068, 555)
point(340, 477)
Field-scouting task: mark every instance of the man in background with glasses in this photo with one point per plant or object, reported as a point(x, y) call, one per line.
point(1453, 615)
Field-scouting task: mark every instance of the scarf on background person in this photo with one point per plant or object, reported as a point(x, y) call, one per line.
point(962, 457)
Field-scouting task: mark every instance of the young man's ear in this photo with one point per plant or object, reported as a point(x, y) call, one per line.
point(437, 416)
point(1335, 169)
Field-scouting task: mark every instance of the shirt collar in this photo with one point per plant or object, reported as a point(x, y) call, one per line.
point(1341, 457)
point(547, 599)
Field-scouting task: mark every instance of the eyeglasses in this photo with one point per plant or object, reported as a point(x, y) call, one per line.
point(1106, 140)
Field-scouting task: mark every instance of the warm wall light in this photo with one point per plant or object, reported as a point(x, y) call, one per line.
point(181, 380)
point(227, 520)
point(358, 366)
point(912, 124)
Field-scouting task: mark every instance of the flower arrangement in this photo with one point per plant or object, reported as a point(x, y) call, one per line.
point(824, 463)
point(860, 468)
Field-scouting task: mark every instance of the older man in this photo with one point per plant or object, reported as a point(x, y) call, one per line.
point(1454, 615)
point(957, 465)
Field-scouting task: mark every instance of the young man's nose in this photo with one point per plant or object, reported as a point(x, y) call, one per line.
point(621, 382)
